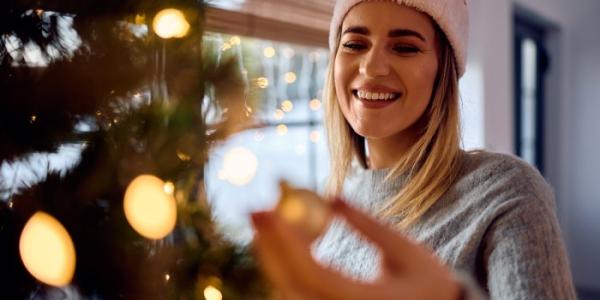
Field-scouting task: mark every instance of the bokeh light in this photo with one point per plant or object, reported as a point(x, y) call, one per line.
point(315, 104)
point(47, 250)
point(278, 114)
point(170, 23)
point(314, 136)
point(212, 293)
point(290, 77)
point(269, 52)
point(149, 208)
point(281, 129)
point(239, 166)
point(262, 82)
point(287, 106)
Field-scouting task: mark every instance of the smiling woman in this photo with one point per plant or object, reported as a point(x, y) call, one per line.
point(474, 225)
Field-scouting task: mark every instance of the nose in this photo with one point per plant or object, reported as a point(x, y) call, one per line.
point(374, 63)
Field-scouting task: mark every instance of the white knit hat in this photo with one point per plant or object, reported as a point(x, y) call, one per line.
point(451, 15)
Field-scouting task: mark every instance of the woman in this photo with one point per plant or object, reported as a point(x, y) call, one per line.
point(458, 225)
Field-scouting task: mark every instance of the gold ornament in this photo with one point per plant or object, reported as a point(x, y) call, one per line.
point(304, 209)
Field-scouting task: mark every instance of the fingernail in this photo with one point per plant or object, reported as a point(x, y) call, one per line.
point(338, 203)
point(260, 218)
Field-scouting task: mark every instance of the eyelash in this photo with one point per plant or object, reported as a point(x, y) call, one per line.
point(352, 46)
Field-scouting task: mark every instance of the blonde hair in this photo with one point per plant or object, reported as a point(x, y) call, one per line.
point(431, 164)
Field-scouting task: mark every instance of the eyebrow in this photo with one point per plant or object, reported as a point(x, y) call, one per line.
point(393, 33)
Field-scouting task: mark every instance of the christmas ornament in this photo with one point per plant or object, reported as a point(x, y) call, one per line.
point(304, 209)
point(47, 250)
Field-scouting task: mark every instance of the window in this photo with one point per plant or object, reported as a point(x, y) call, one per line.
point(243, 173)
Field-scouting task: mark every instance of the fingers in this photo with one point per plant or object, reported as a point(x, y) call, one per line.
point(287, 256)
point(396, 249)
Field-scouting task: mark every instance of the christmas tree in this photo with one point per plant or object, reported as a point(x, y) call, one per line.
point(129, 86)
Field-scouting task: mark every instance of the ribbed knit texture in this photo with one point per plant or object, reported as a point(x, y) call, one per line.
point(496, 228)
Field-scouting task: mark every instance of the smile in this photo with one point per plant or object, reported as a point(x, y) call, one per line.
point(375, 96)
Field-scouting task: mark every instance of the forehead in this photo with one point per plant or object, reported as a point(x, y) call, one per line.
point(386, 15)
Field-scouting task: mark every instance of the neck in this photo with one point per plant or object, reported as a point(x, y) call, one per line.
point(386, 152)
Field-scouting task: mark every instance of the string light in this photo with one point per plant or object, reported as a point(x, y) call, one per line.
point(290, 77)
point(140, 19)
point(212, 293)
point(262, 82)
point(169, 188)
point(183, 156)
point(235, 40)
point(167, 277)
point(288, 52)
point(269, 52)
point(314, 136)
point(239, 166)
point(287, 106)
point(282, 129)
point(149, 208)
point(33, 119)
point(278, 114)
point(47, 250)
point(315, 104)
point(170, 23)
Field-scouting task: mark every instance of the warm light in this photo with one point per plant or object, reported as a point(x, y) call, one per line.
point(183, 156)
point(239, 166)
point(269, 52)
point(167, 277)
point(287, 106)
point(33, 118)
point(235, 40)
point(262, 82)
point(314, 136)
point(288, 52)
point(290, 77)
point(140, 19)
point(47, 250)
point(315, 104)
point(212, 293)
point(169, 188)
point(226, 46)
point(150, 210)
point(282, 129)
point(170, 23)
point(278, 114)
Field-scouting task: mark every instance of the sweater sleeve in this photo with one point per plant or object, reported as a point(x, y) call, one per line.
point(524, 253)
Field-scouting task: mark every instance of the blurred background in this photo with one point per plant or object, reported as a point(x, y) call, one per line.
point(532, 88)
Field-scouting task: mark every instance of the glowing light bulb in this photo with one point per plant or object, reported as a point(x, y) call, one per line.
point(314, 104)
point(47, 250)
point(149, 208)
point(212, 293)
point(287, 105)
point(288, 52)
point(278, 114)
point(269, 52)
point(239, 166)
point(290, 77)
point(262, 82)
point(170, 23)
point(314, 136)
point(235, 40)
point(282, 129)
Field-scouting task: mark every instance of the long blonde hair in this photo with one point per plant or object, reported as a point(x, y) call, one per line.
point(431, 164)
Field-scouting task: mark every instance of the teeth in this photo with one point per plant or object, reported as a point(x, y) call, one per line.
point(376, 96)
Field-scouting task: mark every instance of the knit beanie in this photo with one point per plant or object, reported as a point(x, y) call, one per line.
point(452, 16)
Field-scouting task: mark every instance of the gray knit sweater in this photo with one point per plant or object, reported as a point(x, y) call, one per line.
point(496, 227)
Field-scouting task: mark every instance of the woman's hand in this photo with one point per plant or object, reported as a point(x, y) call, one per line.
point(408, 271)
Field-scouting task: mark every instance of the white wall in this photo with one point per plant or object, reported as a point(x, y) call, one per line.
point(573, 110)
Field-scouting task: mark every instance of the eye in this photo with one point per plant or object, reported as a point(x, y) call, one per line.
point(406, 49)
point(353, 46)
